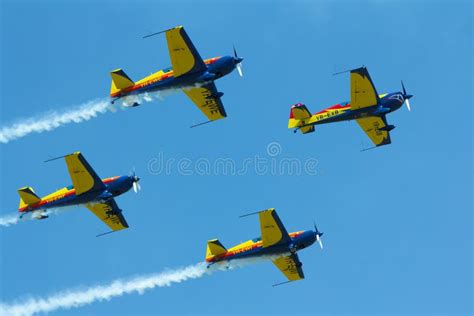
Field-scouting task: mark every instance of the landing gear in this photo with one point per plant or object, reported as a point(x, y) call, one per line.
point(113, 101)
point(40, 215)
point(43, 214)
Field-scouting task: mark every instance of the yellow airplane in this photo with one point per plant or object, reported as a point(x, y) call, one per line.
point(190, 73)
point(367, 107)
point(87, 189)
point(275, 243)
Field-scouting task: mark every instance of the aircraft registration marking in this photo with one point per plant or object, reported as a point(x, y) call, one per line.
point(210, 102)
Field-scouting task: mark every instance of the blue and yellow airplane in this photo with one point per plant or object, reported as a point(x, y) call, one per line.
point(366, 106)
point(275, 243)
point(87, 189)
point(189, 72)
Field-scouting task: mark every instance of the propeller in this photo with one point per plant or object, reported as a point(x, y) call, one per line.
point(238, 63)
point(135, 184)
point(406, 97)
point(318, 235)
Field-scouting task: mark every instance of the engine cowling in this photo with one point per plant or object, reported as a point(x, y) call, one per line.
point(207, 76)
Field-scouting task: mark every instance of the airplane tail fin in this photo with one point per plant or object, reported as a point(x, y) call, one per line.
point(299, 114)
point(214, 248)
point(27, 197)
point(120, 81)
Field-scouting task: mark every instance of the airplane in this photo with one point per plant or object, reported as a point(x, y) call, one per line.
point(366, 106)
point(189, 72)
point(87, 189)
point(275, 243)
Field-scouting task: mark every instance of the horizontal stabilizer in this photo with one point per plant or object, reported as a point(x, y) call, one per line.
point(307, 129)
point(299, 113)
point(214, 248)
point(120, 81)
point(28, 197)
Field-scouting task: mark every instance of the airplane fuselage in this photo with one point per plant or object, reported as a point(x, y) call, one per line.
point(164, 79)
point(254, 247)
point(66, 196)
point(342, 111)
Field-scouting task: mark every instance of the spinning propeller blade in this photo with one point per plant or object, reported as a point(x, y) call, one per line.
point(135, 179)
point(239, 69)
point(135, 187)
point(238, 63)
point(319, 241)
point(406, 97)
point(235, 52)
point(318, 235)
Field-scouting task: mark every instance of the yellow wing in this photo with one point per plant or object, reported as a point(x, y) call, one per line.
point(208, 101)
point(363, 93)
point(82, 175)
point(307, 129)
point(273, 231)
point(374, 126)
point(109, 213)
point(184, 56)
point(290, 266)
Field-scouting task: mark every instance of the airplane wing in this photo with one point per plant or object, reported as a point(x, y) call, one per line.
point(372, 127)
point(109, 213)
point(83, 176)
point(273, 231)
point(207, 100)
point(184, 56)
point(290, 266)
point(363, 93)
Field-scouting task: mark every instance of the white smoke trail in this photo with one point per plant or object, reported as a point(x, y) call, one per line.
point(8, 220)
point(84, 112)
point(53, 120)
point(13, 219)
point(71, 299)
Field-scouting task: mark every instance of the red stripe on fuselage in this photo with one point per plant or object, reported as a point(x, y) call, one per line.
point(41, 203)
point(228, 255)
point(163, 77)
point(334, 107)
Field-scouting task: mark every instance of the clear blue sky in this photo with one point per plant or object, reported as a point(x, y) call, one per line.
point(397, 220)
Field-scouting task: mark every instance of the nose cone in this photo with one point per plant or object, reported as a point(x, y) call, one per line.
point(131, 179)
point(408, 96)
point(317, 238)
point(317, 235)
point(238, 60)
point(134, 182)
